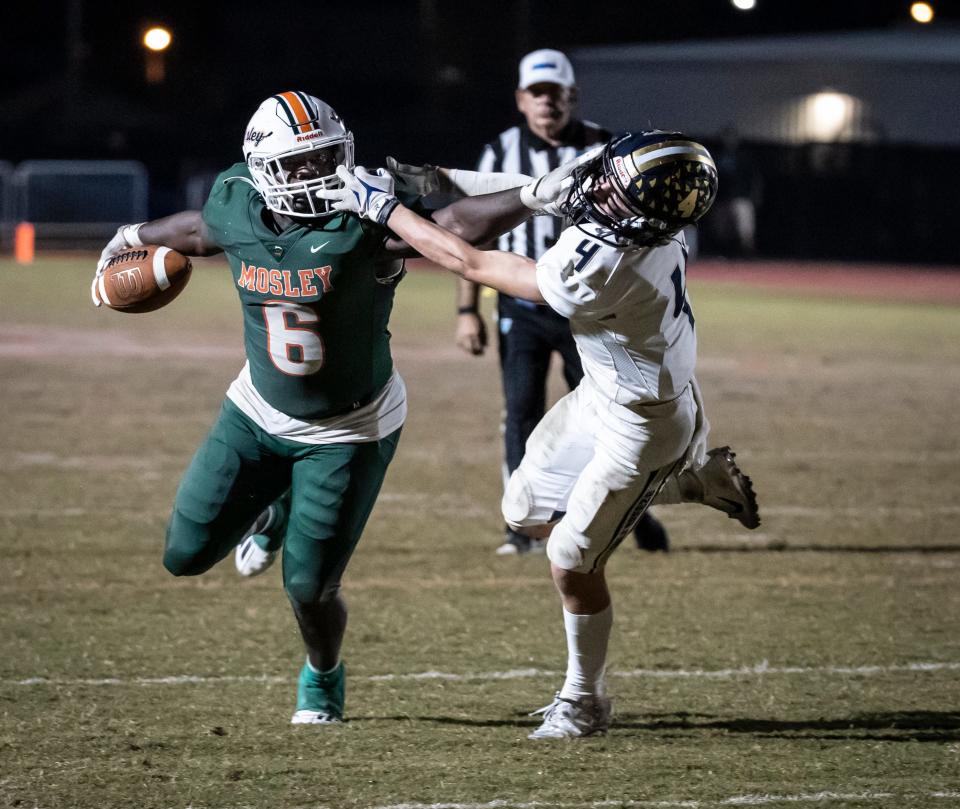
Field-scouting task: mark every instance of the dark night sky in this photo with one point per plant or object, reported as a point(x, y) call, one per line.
point(405, 86)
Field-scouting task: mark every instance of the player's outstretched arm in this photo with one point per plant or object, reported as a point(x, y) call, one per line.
point(477, 219)
point(184, 232)
point(480, 219)
point(507, 272)
point(426, 179)
point(370, 194)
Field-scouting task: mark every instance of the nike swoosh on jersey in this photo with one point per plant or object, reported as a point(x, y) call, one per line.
point(319, 247)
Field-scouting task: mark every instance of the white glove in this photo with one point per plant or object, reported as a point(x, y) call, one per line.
point(550, 187)
point(127, 236)
point(367, 193)
point(696, 455)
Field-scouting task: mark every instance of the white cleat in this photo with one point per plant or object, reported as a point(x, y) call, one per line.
point(725, 488)
point(573, 719)
point(315, 718)
point(251, 559)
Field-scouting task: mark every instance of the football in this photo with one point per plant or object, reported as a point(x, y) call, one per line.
point(143, 279)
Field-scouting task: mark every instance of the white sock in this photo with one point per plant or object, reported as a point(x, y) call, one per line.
point(587, 637)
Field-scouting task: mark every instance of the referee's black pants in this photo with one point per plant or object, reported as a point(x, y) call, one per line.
point(527, 339)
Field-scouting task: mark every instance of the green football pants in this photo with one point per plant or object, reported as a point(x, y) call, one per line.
point(240, 469)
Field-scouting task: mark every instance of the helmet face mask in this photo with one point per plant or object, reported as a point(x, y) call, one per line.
point(643, 188)
point(293, 145)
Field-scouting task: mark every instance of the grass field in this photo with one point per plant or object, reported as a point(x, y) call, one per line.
point(815, 661)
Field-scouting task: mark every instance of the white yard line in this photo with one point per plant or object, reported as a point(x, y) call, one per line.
point(764, 668)
point(856, 511)
point(825, 797)
point(821, 457)
point(396, 501)
point(761, 669)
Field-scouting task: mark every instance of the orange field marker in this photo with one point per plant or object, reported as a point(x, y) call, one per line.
point(23, 243)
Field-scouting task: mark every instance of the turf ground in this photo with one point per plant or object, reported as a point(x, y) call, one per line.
point(815, 661)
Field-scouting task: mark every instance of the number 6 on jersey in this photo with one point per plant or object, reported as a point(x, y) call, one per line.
point(295, 350)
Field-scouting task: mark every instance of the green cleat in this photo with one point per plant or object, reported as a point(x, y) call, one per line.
point(320, 696)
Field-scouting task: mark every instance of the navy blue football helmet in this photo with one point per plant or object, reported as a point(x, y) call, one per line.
point(661, 182)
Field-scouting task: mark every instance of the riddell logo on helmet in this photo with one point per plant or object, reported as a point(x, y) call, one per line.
point(317, 133)
point(621, 170)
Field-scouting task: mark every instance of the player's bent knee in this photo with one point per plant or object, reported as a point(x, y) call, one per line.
point(184, 564)
point(303, 590)
point(187, 551)
point(179, 565)
point(517, 501)
point(207, 483)
point(563, 549)
point(520, 510)
point(518, 504)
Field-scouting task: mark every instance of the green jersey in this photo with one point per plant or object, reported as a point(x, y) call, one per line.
point(316, 301)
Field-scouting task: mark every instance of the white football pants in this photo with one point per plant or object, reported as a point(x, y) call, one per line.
point(599, 462)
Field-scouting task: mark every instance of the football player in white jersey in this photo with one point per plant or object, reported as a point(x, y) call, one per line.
point(634, 429)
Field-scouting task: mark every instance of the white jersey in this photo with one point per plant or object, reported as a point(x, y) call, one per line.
point(628, 312)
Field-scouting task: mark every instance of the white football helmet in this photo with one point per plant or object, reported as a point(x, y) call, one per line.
point(293, 145)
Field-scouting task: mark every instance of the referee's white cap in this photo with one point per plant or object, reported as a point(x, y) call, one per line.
point(546, 66)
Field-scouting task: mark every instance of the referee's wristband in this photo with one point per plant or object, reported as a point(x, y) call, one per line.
point(467, 310)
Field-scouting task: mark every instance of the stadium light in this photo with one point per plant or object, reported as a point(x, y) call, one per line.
point(744, 5)
point(829, 115)
point(921, 12)
point(156, 40)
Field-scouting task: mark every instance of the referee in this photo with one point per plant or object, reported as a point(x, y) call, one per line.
point(529, 333)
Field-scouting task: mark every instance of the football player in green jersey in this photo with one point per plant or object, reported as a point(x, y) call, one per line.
point(306, 432)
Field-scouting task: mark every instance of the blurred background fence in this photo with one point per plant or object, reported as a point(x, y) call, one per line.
point(74, 203)
point(837, 134)
point(845, 201)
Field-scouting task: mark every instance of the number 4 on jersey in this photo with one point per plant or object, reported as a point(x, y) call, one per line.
point(680, 303)
point(587, 249)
